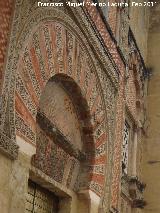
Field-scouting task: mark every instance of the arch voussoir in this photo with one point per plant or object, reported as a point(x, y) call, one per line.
point(54, 50)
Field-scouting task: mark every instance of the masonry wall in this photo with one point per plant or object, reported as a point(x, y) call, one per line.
point(5, 167)
point(139, 23)
point(151, 153)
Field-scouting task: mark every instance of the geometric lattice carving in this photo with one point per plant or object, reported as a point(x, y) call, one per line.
point(126, 136)
point(40, 200)
point(8, 146)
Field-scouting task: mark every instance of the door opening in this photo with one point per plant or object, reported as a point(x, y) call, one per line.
point(40, 200)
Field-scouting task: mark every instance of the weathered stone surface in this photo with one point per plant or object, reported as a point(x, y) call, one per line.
point(96, 80)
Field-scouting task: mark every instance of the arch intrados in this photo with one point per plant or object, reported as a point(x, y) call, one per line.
point(82, 109)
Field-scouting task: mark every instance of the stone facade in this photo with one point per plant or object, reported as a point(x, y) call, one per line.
point(72, 77)
point(151, 145)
